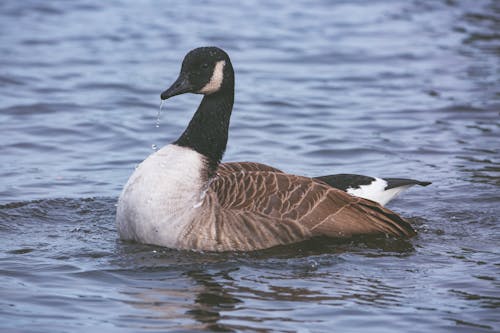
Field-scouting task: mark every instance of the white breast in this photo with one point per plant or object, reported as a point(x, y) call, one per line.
point(161, 197)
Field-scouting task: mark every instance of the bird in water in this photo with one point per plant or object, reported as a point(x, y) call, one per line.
point(183, 197)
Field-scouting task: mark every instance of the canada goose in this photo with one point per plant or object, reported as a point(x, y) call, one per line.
point(182, 197)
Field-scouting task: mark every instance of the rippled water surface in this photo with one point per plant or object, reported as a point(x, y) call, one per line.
point(385, 88)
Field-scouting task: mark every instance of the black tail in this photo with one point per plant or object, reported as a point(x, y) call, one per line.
point(397, 182)
point(344, 181)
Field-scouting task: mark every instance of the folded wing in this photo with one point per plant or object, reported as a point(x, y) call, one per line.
point(319, 208)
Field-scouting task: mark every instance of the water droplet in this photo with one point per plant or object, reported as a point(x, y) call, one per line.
point(313, 264)
point(159, 114)
point(158, 120)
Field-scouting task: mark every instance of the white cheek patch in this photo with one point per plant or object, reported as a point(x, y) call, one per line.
point(216, 80)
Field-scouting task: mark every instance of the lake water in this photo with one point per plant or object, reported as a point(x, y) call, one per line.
point(383, 88)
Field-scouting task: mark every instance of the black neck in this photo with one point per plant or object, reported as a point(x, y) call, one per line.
point(207, 131)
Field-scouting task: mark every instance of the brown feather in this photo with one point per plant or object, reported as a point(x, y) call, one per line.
point(230, 167)
point(222, 229)
point(253, 210)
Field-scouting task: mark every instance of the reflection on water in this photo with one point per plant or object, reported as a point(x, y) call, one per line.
point(385, 88)
point(211, 300)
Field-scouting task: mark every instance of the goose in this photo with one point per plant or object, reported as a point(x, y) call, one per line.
point(183, 197)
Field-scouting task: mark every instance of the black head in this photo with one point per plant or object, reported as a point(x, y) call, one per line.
point(205, 70)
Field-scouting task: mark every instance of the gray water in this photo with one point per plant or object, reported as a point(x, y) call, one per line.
point(383, 88)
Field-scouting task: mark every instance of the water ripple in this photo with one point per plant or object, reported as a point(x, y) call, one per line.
point(395, 89)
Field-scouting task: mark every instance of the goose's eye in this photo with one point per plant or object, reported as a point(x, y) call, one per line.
point(204, 66)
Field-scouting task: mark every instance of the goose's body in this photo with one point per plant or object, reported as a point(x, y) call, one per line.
point(182, 197)
point(169, 202)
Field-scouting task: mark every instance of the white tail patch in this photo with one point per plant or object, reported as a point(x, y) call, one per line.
point(376, 191)
point(216, 80)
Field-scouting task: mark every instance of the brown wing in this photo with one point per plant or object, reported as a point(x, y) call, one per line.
point(230, 167)
point(221, 229)
point(320, 209)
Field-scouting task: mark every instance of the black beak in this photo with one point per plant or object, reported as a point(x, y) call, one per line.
point(180, 86)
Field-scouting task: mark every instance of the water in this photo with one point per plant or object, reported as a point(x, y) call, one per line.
point(385, 88)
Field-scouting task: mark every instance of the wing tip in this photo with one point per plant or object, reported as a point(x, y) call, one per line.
point(396, 225)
